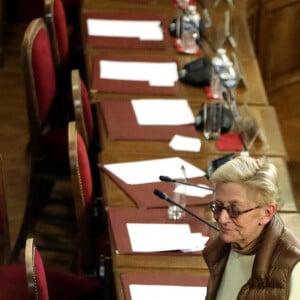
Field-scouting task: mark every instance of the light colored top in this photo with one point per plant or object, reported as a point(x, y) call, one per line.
point(238, 271)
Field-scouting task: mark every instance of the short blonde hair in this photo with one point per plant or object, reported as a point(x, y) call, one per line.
point(257, 174)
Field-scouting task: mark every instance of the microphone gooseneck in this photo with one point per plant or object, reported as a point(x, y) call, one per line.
point(169, 179)
point(165, 197)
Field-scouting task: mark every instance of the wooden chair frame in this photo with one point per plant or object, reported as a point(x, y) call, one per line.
point(79, 202)
point(49, 18)
point(30, 272)
point(77, 105)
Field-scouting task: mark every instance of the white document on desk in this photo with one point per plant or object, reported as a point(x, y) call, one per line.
point(141, 29)
point(162, 111)
point(164, 237)
point(163, 292)
point(156, 73)
point(193, 191)
point(147, 171)
point(185, 143)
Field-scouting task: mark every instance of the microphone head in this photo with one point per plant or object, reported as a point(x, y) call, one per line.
point(160, 194)
point(166, 178)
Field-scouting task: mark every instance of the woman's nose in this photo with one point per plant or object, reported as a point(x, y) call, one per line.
point(224, 216)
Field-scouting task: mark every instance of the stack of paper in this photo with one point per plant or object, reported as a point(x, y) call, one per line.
point(162, 292)
point(143, 30)
point(164, 237)
point(162, 111)
point(156, 73)
point(147, 171)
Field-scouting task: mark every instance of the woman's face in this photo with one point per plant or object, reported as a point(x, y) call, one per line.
point(246, 227)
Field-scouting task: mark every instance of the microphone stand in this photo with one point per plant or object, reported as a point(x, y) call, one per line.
point(168, 179)
point(165, 197)
point(228, 90)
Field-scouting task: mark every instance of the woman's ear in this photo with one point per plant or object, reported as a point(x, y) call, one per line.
point(268, 213)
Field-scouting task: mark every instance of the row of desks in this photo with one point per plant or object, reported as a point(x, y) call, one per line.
point(116, 199)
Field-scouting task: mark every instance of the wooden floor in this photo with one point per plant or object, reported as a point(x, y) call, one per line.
point(14, 130)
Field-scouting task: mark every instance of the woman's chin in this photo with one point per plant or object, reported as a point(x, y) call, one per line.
point(228, 238)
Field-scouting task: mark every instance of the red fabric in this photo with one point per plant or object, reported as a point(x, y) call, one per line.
point(43, 72)
point(85, 171)
point(63, 285)
point(229, 142)
point(87, 110)
point(61, 31)
point(13, 282)
point(40, 276)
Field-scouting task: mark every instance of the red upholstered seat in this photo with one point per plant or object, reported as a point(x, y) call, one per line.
point(47, 120)
point(88, 116)
point(66, 44)
point(13, 284)
point(32, 282)
point(61, 285)
point(91, 238)
point(82, 108)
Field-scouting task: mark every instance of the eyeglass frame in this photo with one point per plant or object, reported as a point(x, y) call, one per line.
point(221, 207)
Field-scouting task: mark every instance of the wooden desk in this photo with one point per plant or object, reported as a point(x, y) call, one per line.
point(115, 197)
point(174, 260)
point(255, 94)
point(265, 116)
point(125, 151)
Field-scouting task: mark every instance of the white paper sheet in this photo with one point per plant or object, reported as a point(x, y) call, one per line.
point(162, 111)
point(156, 73)
point(193, 191)
point(166, 292)
point(143, 30)
point(146, 171)
point(163, 237)
point(185, 143)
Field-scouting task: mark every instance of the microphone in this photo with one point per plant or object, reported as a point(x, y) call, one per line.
point(165, 197)
point(169, 179)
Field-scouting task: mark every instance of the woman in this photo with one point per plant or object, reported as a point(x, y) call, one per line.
point(255, 256)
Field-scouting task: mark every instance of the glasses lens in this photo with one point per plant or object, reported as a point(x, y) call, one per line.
point(233, 211)
point(216, 207)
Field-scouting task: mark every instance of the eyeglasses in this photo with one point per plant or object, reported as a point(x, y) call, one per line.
point(217, 207)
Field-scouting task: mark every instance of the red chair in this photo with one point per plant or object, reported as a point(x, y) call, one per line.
point(82, 109)
point(30, 281)
point(84, 117)
point(48, 284)
point(47, 127)
point(91, 231)
point(66, 45)
point(5, 251)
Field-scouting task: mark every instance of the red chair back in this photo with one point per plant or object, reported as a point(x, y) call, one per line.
point(58, 30)
point(82, 108)
point(82, 187)
point(40, 81)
